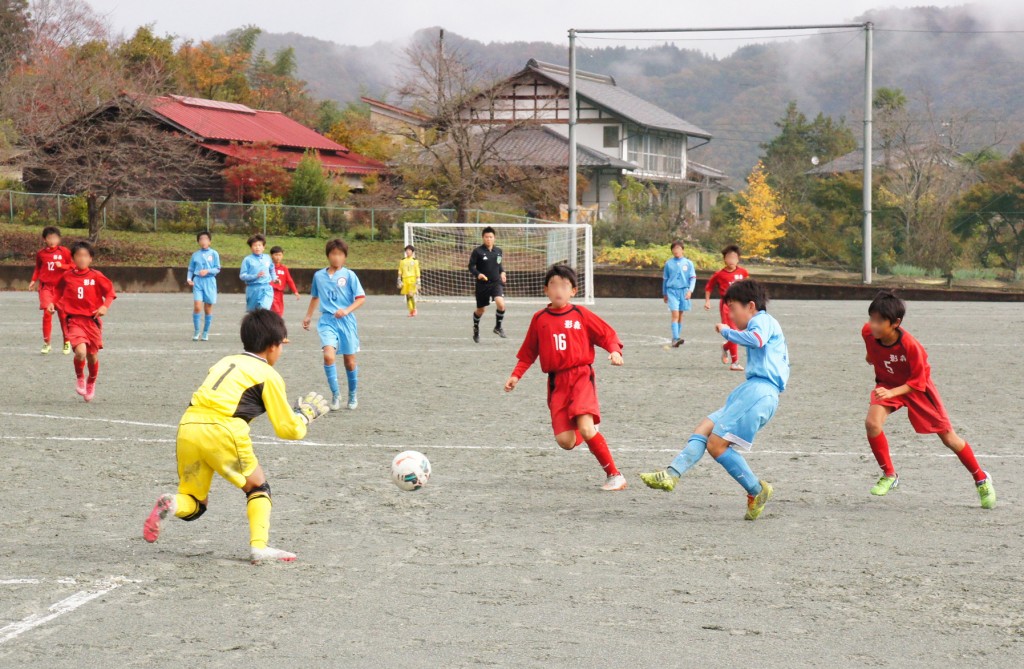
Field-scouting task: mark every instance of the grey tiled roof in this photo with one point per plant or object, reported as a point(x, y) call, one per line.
point(538, 146)
point(603, 91)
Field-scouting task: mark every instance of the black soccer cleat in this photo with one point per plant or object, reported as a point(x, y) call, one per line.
point(501, 333)
point(476, 334)
point(678, 342)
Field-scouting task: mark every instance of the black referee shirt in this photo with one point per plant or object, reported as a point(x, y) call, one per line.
point(486, 262)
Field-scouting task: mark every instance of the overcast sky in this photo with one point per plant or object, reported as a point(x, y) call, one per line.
point(363, 22)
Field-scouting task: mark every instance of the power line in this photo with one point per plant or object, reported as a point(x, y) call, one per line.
point(719, 39)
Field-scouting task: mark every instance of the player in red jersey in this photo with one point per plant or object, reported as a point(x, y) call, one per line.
point(282, 280)
point(84, 295)
point(51, 263)
point(563, 335)
point(722, 279)
point(903, 378)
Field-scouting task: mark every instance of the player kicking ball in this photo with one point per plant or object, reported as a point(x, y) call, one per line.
point(749, 407)
point(563, 335)
point(213, 435)
point(903, 378)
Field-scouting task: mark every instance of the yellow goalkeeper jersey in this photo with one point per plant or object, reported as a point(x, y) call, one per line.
point(408, 274)
point(241, 388)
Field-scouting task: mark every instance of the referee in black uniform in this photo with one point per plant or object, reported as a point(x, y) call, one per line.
point(489, 274)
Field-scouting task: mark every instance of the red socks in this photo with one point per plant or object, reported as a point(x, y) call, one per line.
point(966, 456)
point(47, 326)
point(880, 448)
point(599, 447)
point(94, 370)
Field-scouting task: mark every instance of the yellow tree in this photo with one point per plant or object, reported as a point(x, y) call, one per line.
point(761, 218)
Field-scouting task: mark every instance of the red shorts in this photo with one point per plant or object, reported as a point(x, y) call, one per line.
point(277, 306)
point(47, 294)
point(572, 393)
point(925, 410)
point(85, 330)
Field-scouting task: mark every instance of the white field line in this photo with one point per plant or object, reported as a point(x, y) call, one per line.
point(56, 610)
point(36, 581)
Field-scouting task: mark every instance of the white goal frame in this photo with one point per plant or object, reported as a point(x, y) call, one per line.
point(585, 273)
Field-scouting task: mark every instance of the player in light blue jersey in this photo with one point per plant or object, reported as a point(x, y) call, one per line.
point(677, 284)
point(749, 407)
point(257, 272)
point(337, 292)
point(203, 268)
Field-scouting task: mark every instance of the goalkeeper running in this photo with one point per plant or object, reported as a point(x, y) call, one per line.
point(213, 435)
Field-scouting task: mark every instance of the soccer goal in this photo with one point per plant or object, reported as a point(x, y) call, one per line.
point(529, 249)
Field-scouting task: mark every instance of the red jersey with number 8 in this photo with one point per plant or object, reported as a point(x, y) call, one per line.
point(81, 293)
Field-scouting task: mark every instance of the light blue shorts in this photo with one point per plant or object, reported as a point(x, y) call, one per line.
point(258, 296)
point(339, 333)
point(677, 300)
point(204, 291)
point(749, 408)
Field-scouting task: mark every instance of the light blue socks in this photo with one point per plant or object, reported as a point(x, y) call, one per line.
point(738, 468)
point(332, 378)
point(689, 456)
point(195, 322)
point(677, 329)
point(353, 381)
point(206, 323)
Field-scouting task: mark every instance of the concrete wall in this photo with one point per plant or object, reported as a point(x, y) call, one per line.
point(608, 284)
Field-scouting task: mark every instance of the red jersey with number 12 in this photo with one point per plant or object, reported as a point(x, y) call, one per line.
point(51, 263)
point(565, 339)
point(905, 362)
point(724, 278)
point(81, 293)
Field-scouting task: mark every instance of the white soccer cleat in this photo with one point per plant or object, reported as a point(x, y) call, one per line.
point(735, 367)
point(614, 483)
point(336, 403)
point(353, 401)
point(268, 554)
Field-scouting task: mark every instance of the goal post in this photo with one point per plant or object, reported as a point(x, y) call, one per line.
point(528, 249)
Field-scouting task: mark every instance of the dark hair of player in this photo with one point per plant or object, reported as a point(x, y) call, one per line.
point(731, 248)
point(51, 230)
point(276, 249)
point(204, 233)
point(256, 238)
point(410, 247)
point(77, 246)
point(747, 291)
point(486, 230)
point(261, 329)
point(336, 245)
point(563, 271)
point(678, 243)
point(887, 305)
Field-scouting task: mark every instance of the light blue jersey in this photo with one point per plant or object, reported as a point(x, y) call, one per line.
point(679, 274)
point(767, 354)
point(337, 291)
point(252, 265)
point(204, 288)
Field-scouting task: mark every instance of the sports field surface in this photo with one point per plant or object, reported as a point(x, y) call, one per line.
point(512, 555)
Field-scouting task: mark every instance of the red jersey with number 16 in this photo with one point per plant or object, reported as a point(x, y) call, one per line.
point(724, 278)
point(81, 293)
point(905, 362)
point(565, 339)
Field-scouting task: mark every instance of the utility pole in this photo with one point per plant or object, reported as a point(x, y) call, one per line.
point(572, 126)
point(868, 117)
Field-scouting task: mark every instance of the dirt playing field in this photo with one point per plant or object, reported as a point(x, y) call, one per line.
point(512, 555)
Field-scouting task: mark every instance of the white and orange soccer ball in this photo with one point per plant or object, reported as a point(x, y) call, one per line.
point(410, 470)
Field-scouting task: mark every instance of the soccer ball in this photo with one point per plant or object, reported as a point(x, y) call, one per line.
point(410, 470)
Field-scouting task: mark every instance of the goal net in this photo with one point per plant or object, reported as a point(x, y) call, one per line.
point(528, 249)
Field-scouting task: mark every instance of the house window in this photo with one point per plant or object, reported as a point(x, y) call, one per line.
point(659, 154)
point(611, 136)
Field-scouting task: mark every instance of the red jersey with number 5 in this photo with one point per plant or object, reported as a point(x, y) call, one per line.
point(51, 263)
point(565, 339)
point(724, 278)
point(905, 362)
point(81, 293)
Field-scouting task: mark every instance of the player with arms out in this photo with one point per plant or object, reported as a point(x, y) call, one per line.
point(722, 279)
point(485, 264)
point(748, 408)
point(257, 272)
point(409, 278)
point(337, 292)
point(213, 434)
point(903, 378)
point(203, 268)
point(677, 283)
point(563, 335)
point(52, 261)
point(84, 295)
point(282, 279)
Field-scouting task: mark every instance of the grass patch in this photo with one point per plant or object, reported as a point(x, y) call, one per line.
point(915, 272)
point(653, 256)
point(976, 273)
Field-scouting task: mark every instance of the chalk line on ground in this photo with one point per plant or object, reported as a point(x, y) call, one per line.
point(56, 610)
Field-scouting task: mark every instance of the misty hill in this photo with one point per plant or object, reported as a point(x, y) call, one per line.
point(938, 57)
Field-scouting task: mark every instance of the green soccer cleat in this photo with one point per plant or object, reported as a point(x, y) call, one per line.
point(885, 484)
point(755, 505)
point(67, 348)
point(46, 349)
point(660, 480)
point(987, 492)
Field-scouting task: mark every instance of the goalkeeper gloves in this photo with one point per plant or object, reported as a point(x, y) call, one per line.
point(311, 407)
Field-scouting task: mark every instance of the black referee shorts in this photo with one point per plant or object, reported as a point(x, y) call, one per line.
point(486, 291)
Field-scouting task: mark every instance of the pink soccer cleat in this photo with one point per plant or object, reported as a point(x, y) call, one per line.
point(80, 386)
point(90, 391)
point(151, 528)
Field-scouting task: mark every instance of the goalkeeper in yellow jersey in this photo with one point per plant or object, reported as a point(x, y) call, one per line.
point(409, 278)
point(213, 435)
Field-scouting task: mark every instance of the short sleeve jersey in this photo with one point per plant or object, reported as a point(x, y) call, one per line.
point(905, 362)
point(487, 262)
point(51, 263)
point(565, 339)
point(336, 291)
point(81, 293)
point(723, 278)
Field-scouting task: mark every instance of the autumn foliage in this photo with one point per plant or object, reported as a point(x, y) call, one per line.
point(761, 219)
